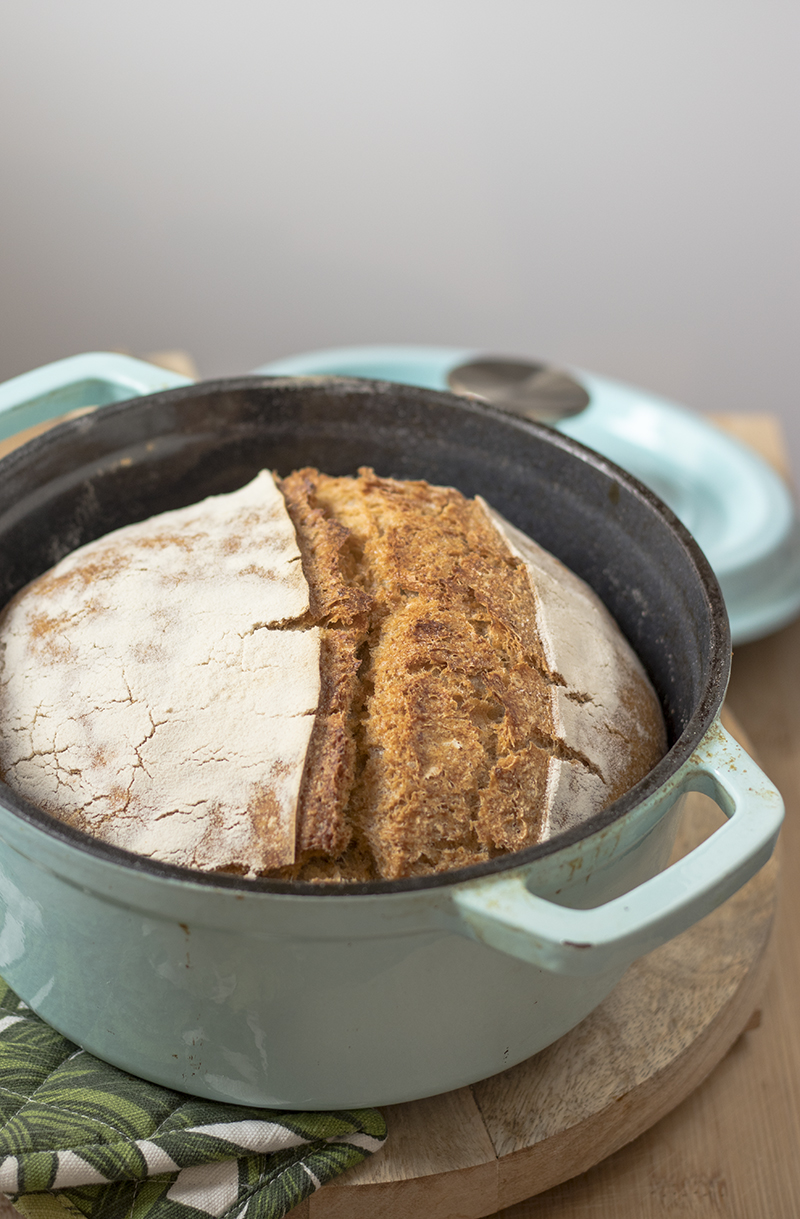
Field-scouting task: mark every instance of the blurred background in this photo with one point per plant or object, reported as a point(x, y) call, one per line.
point(609, 185)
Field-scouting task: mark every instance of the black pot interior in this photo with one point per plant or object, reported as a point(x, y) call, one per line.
point(132, 460)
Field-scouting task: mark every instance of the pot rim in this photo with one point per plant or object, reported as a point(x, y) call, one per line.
point(701, 719)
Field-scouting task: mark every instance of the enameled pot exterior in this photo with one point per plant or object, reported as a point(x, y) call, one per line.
point(276, 994)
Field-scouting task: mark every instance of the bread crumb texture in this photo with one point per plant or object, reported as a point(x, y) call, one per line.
point(323, 679)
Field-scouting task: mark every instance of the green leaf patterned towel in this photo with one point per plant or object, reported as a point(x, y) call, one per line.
point(80, 1138)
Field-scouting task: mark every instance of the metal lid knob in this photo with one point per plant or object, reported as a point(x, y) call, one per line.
point(521, 387)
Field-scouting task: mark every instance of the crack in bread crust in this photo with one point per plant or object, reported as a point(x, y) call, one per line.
point(153, 691)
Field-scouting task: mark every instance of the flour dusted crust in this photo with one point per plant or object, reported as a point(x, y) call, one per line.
point(325, 679)
point(154, 693)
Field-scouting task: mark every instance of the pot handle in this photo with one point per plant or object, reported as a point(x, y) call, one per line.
point(95, 379)
point(503, 913)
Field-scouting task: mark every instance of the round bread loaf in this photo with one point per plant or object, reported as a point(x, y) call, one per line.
point(321, 678)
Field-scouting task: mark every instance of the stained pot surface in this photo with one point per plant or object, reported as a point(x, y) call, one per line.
point(134, 459)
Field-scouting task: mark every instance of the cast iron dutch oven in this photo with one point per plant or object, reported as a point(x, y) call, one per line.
point(298, 996)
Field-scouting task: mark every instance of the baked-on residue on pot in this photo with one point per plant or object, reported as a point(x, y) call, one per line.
point(418, 687)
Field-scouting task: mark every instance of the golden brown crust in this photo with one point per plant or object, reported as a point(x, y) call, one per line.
point(446, 747)
point(458, 673)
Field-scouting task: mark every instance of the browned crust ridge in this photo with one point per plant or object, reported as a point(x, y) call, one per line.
point(435, 731)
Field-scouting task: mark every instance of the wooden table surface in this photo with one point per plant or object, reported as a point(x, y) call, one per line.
point(733, 1148)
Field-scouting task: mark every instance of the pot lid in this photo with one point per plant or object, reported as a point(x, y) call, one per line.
point(739, 510)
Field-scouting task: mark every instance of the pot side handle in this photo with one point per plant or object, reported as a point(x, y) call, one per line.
point(94, 379)
point(504, 914)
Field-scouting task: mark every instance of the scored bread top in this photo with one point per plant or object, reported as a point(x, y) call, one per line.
point(325, 679)
point(486, 698)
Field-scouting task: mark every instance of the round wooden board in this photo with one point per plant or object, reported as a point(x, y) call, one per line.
point(674, 1015)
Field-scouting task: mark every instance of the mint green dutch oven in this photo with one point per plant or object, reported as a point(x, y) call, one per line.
point(291, 995)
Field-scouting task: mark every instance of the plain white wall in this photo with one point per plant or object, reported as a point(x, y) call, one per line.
point(607, 184)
